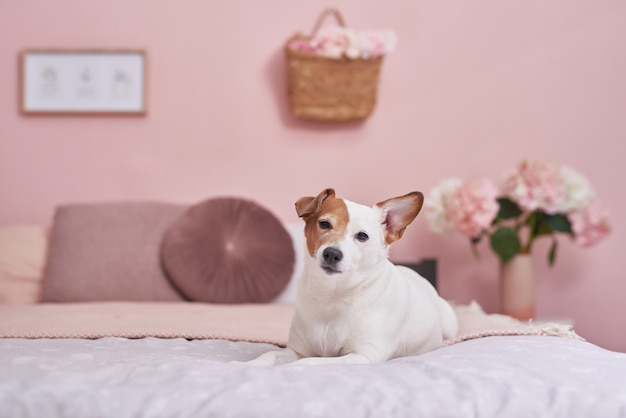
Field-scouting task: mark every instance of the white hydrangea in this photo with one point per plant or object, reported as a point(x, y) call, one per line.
point(579, 192)
point(436, 205)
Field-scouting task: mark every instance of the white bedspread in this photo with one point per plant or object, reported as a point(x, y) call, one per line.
point(513, 376)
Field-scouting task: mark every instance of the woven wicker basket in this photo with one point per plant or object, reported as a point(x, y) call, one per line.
point(326, 89)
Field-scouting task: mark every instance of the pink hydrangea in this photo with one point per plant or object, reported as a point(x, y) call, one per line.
point(537, 185)
point(590, 225)
point(539, 189)
point(472, 207)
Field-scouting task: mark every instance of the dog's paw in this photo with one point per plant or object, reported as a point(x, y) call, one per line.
point(267, 359)
point(272, 358)
point(351, 358)
point(255, 362)
point(307, 361)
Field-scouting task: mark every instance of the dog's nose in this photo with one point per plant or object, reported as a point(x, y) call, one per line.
point(332, 256)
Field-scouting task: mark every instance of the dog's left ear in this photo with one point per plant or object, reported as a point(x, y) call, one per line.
point(398, 213)
point(306, 206)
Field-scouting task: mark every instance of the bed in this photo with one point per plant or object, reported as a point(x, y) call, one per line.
point(72, 347)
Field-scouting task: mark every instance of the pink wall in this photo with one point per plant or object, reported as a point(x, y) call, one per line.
point(472, 88)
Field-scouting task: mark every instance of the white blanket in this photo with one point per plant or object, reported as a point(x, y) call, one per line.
point(514, 376)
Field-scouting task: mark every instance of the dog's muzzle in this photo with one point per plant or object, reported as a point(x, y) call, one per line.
point(331, 257)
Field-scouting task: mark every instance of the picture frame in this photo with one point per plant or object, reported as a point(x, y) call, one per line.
point(83, 82)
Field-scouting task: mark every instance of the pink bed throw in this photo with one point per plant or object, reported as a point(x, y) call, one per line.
point(475, 323)
point(266, 323)
point(247, 322)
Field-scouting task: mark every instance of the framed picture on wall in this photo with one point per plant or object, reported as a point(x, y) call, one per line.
point(106, 82)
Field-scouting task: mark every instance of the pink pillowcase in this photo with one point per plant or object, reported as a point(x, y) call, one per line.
point(109, 251)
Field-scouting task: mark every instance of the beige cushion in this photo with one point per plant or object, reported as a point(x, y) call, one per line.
point(22, 258)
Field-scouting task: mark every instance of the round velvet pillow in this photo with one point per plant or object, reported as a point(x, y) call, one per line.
point(228, 250)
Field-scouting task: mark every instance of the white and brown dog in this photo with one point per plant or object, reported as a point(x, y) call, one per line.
point(353, 304)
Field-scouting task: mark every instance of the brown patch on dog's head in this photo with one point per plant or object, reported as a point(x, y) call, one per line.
point(325, 217)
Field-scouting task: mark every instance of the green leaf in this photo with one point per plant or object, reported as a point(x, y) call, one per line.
point(508, 208)
point(505, 243)
point(531, 221)
point(559, 223)
point(539, 225)
point(543, 227)
point(552, 253)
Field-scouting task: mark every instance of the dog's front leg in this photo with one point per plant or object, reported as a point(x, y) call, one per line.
point(286, 355)
point(350, 358)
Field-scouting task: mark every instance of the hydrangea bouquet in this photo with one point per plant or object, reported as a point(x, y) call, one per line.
point(537, 199)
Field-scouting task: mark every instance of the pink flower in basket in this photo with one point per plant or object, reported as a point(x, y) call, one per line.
point(333, 41)
point(538, 199)
point(336, 42)
point(302, 45)
point(373, 43)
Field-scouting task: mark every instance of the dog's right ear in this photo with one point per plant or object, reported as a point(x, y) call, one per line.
point(306, 206)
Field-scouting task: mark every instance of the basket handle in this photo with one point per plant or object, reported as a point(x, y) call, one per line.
point(327, 12)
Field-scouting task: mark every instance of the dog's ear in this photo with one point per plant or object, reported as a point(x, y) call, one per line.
point(398, 213)
point(306, 206)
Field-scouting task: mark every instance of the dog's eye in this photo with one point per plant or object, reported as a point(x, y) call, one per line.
point(362, 236)
point(324, 224)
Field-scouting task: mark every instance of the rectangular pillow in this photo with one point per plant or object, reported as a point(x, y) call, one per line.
point(109, 251)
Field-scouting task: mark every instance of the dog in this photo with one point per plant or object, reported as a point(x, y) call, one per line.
point(353, 305)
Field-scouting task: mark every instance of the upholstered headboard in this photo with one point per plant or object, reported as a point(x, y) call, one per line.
point(111, 251)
